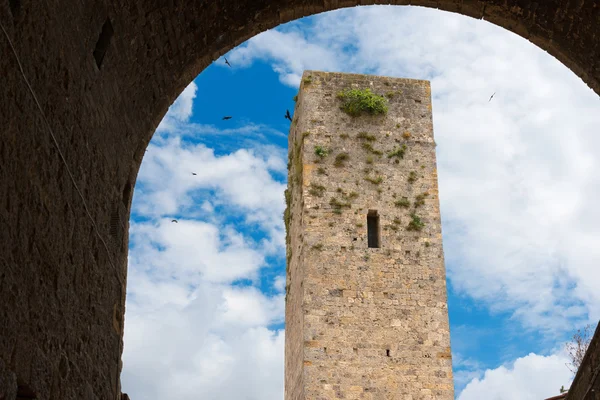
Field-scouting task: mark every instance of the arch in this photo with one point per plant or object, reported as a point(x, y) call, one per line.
point(70, 154)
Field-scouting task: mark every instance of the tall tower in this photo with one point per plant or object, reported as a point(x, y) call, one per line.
point(366, 302)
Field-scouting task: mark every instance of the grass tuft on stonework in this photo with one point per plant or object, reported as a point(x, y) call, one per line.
point(337, 205)
point(403, 203)
point(321, 151)
point(420, 199)
point(316, 190)
point(398, 152)
point(368, 147)
point(374, 181)
point(366, 136)
point(415, 224)
point(358, 101)
point(340, 159)
point(412, 177)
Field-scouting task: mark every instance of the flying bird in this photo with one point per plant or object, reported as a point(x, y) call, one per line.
point(491, 97)
point(227, 62)
point(287, 115)
point(227, 117)
point(174, 220)
point(193, 173)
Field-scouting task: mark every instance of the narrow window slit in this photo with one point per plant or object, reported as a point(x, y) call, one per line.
point(387, 352)
point(373, 229)
point(103, 42)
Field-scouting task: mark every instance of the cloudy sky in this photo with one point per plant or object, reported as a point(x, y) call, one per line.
point(518, 193)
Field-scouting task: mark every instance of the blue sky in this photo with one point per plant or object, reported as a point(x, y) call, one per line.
point(517, 192)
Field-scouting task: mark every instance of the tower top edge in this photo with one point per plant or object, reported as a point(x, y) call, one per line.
point(353, 76)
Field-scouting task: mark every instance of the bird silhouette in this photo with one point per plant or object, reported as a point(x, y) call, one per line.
point(491, 97)
point(287, 115)
point(227, 62)
point(174, 220)
point(193, 173)
point(227, 117)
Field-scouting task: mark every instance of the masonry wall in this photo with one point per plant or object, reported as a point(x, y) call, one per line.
point(63, 249)
point(368, 323)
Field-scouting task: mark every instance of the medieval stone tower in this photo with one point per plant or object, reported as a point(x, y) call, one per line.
point(366, 302)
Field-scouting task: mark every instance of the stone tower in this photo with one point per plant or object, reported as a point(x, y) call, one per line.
point(366, 302)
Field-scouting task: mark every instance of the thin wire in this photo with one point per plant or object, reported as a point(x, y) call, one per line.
point(62, 157)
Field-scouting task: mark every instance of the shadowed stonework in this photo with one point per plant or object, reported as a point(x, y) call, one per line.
point(104, 74)
point(366, 312)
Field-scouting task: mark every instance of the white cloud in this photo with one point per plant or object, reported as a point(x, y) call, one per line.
point(289, 52)
point(249, 307)
point(193, 248)
point(241, 182)
point(532, 377)
point(279, 283)
point(517, 180)
point(174, 353)
point(187, 330)
point(190, 327)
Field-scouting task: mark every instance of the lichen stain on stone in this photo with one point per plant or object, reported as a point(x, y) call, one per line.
point(307, 170)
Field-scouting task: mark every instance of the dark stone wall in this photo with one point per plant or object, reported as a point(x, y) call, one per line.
point(69, 160)
point(586, 385)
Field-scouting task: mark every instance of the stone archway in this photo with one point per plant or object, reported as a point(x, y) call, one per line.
point(103, 75)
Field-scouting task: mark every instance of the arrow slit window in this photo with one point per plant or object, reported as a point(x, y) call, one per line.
point(373, 236)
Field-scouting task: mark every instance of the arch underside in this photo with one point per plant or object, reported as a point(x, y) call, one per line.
point(104, 74)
